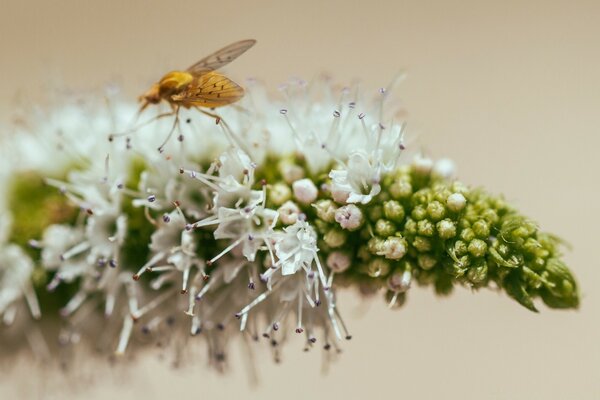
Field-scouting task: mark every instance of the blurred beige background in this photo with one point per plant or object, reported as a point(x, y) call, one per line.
point(508, 89)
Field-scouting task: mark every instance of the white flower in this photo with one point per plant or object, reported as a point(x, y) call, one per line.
point(358, 182)
point(296, 248)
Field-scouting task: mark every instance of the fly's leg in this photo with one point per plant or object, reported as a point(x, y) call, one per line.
point(175, 111)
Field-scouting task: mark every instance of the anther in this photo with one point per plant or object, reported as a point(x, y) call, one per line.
point(152, 198)
point(336, 114)
point(361, 115)
point(283, 111)
point(89, 211)
point(166, 218)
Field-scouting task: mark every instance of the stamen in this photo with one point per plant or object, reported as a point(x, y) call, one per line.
point(125, 335)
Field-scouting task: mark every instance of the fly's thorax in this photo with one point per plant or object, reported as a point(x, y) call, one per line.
point(173, 82)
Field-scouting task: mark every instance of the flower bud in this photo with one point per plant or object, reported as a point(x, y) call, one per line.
point(349, 217)
point(426, 261)
point(436, 210)
point(305, 191)
point(335, 238)
point(477, 248)
point(393, 211)
point(399, 281)
point(378, 267)
point(446, 229)
point(444, 169)
point(279, 193)
point(325, 210)
point(338, 261)
point(393, 248)
point(291, 172)
point(401, 189)
point(456, 202)
point(385, 228)
point(422, 165)
point(422, 244)
point(425, 228)
point(288, 213)
point(481, 229)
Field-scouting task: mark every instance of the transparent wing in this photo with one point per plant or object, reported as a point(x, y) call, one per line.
point(210, 90)
point(221, 57)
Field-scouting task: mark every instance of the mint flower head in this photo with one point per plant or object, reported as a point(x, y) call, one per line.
point(245, 227)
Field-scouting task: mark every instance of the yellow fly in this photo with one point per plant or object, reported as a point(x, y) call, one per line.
point(198, 86)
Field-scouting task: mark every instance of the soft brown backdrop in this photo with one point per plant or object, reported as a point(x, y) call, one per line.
point(510, 90)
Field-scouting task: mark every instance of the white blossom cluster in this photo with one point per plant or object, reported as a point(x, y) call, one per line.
point(229, 250)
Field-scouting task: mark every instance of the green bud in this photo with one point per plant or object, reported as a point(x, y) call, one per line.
point(279, 193)
point(478, 273)
point(436, 210)
point(467, 234)
point(393, 211)
point(375, 245)
point(422, 244)
point(446, 229)
point(378, 267)
point(481, 229)
point(375, 213)
point(401, 189)
point(325, 210)
point(426, 261)
point(410, 227)
point(460, 248)
point(419, 213)
point(393, 248)
point(425, 228)
point(384, 228)
point(335, 238)
point(477, 248)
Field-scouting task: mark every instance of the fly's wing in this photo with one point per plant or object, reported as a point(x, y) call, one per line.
point(211, 89)
point(221, 57)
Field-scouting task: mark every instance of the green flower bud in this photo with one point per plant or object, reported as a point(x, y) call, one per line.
point(460, 248)
point(375, 213)
point(477, 248)
point(325, 210)
point(478, 273)
point(467, 234)
point(436, 210)
point(279, 193)
point(426, 261)
point(401, 189)
point(422, 244)
point(375, 245)
point(419, 213)
point(384, 228)
point(446, 229)
point(377, 267)
point(393, 248)
point(393, 211)
point(410, 227)
point(425, 228)
point(335, 238)
point(481, 229)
